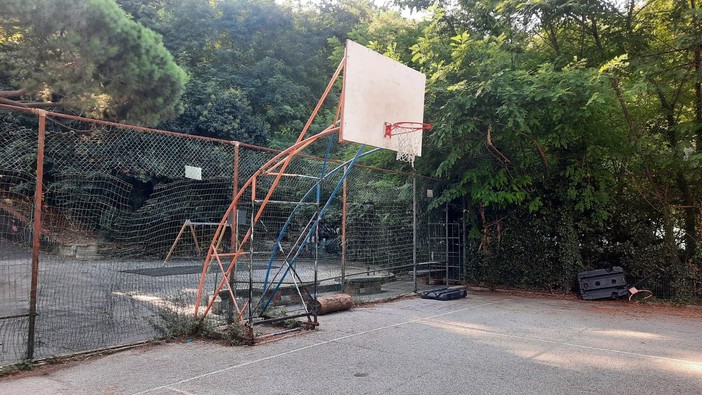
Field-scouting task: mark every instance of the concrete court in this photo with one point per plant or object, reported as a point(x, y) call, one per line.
point(486, 343)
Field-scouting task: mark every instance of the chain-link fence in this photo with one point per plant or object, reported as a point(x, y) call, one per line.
point(127, 214)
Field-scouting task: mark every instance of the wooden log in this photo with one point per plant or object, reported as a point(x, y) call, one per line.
point(330, 303)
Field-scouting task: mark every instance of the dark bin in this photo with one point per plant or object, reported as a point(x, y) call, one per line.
point(602, 283)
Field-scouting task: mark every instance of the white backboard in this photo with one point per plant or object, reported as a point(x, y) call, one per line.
point(377, 90)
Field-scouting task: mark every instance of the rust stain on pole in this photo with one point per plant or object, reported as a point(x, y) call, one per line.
point(36, 236)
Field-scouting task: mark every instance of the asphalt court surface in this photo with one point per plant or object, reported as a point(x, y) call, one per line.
point(486, 343)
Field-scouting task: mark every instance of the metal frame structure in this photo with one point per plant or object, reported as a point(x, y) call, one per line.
point(275, 167)
point(446, 241)
point(188, 224)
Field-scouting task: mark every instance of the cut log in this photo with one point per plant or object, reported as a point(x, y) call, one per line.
point(330, 303)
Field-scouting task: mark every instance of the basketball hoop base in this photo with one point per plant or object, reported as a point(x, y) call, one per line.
point(405, 133)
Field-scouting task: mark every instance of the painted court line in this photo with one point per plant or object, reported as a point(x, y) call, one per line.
point(215, 372)
point(177, 390)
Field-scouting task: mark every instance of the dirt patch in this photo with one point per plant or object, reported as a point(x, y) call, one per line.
point(651, 308)
point(526, 293)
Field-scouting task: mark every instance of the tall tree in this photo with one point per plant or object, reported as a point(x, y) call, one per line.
point(88, 57)
point(261, 64)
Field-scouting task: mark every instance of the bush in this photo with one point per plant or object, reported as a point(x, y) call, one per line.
point(176, 324)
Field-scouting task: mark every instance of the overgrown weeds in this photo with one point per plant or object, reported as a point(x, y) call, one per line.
point(174, 324)
point(18, 367)
point(280, 312)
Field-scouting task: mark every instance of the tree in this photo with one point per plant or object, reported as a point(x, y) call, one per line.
point(585, 111)
point(268, 58)
point(88, 57)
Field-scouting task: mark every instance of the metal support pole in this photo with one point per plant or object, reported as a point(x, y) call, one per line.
point(251, 257)
point(446, 233)
point(316, 258)
point(464, 248)
point(234, 226)
point(414, 231)
point(36, 235)
point(343, 232)
point(234, 229)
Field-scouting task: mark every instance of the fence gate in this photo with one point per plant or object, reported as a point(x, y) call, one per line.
point(446, 246)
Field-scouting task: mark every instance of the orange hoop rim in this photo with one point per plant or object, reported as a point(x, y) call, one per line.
point(391, 129)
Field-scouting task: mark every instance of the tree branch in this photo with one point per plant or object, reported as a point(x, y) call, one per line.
point(539, 148)
point(11, 102)
point(15, 93)
point(625, 108)
point(26, 104)
point(501, 157)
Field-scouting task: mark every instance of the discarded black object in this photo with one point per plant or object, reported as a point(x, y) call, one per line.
point(444, 293)
point(602, 283)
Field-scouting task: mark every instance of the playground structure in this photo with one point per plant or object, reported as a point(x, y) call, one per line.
point(381, 105)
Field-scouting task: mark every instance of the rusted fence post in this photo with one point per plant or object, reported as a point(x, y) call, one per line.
point(36, 235)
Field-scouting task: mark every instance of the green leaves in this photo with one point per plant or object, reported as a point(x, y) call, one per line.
point(92, 58)
point(274, 56)
point(502, 126)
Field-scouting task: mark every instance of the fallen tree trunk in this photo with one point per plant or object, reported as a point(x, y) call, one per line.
point(331, 303)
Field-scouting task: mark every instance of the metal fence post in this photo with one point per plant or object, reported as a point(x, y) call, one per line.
point(414, 231)
point(344, 212)
point(36, 235)
point(234, 225)
point(464, 239)
point(446, 235)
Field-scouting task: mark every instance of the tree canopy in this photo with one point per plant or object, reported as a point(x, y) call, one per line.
point(88, 57)
point(588, 112)
point(256, 66)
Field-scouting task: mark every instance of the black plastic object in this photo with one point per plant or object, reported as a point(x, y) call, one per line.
point(444, 294)
point(602, 283)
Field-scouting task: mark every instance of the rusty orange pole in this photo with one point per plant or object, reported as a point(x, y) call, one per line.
point(36, 236)
point(115, 124)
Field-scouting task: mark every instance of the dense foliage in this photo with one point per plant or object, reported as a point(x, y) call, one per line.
point(571, 129)
point(256, 67)
point(87, 57)
point(584, 117)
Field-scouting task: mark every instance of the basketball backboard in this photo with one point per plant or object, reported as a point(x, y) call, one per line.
point(377, 91)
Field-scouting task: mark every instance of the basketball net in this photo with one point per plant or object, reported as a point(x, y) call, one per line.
point(406, 135)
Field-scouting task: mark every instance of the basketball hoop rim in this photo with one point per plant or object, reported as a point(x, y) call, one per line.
point(391, 129)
